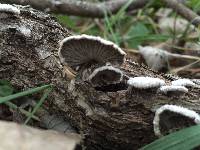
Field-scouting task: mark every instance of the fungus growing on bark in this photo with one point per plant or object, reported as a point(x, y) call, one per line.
point(173, 90)
point(85, 50)
point(183, 82)
point(7, 10)
point(170, 118)
point(105, 75)
point(145, 82)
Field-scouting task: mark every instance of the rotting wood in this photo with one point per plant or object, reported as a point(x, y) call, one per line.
point(31, 60)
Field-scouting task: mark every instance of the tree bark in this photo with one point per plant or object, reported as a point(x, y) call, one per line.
point(29, 58)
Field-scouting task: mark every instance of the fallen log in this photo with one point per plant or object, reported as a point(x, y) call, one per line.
point(114, 116)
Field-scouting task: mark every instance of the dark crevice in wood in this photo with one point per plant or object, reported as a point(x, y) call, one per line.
point(112, 87)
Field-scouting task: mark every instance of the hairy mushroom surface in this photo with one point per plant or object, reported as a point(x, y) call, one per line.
point(85, 50)
point(105, 75)
point(143, 85)
point(7, 10)
point(170, 118)
point(145, 82)
point(171, 90)
point(183, 82)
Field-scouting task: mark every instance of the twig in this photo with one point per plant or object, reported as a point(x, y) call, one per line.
point(172, 55)
point(184, 67)
point(185, 12)
point(79, 8)
point(97, 10)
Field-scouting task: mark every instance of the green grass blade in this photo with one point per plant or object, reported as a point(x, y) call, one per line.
point(185, 139)
point(45, 95)
point(121, 12)
point(111, 21)
point(109, 28)
point(24, 93)
point(13, 106)
point(5, 88)
point(155, 37)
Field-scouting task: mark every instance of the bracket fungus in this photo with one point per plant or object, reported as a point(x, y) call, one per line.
point(170, 118)
point(183, 82)
point(172, 90)
point(105, 75)
point(145, 82)
point(7, 11)
point(81, 51)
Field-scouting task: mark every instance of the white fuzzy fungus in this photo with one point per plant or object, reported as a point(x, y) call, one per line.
point(95, 38)
point(183, 82)
point(6, 8)
point(145, 82)
point(107, 74)
point(172, 88)
point(25, 31)
point(176, 109)
point(96, 71)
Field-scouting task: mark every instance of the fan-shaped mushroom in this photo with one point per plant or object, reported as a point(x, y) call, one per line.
point(169, 118)
point(84, 50)
point(105, 75)
point(173, 90)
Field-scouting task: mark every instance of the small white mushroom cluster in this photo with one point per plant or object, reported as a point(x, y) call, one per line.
point(177, 87)
point(178, 110)
point(7, 11)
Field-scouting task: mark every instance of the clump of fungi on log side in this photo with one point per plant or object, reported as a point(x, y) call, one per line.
point(113, 101)
point(98, 61)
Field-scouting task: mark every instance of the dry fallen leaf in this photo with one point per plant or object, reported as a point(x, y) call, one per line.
point(21, 137)
point(169, 24)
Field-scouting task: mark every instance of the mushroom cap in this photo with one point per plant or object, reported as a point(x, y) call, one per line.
point(78, 50)
point(171, 117)
point(172, 88)
point(9, 9)
point(145, 82)
point(183, 82)
point(105, 75)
